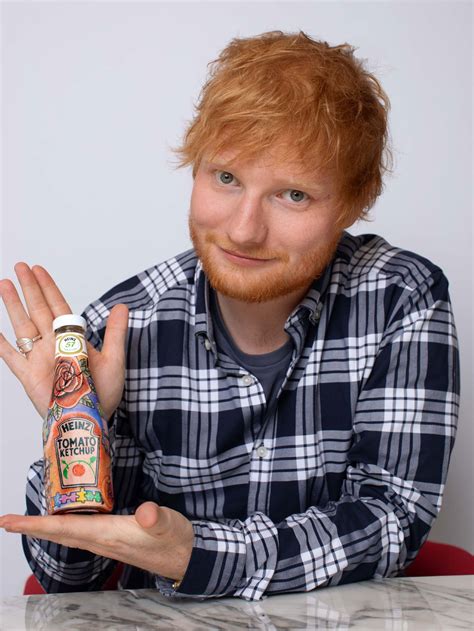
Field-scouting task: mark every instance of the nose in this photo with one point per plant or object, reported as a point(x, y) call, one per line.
point(246, 225)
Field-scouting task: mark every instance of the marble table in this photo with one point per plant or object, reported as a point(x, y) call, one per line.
point(398, 604)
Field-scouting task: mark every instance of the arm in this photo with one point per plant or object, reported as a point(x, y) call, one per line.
point(154, 539)
point(404, 428)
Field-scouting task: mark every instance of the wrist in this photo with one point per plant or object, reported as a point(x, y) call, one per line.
point(183, 557)
point(180, 557)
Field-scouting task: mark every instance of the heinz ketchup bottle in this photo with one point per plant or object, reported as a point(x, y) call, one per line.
point(77, 468)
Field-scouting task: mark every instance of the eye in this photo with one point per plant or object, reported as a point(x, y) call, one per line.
point(224, 177)
point(297, 196)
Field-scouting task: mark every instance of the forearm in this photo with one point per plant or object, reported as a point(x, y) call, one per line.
point(364, 534)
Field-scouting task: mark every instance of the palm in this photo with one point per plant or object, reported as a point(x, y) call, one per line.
point(38, 379)
point(45, 302)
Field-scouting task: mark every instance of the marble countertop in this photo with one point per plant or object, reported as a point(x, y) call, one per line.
point(398, 604)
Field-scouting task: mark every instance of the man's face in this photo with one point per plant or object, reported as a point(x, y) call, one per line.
point(261, 229)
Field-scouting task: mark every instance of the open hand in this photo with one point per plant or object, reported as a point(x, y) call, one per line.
point(157, 539)
point(44, 302)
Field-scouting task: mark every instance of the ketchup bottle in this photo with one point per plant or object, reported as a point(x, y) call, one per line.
point(77, 467)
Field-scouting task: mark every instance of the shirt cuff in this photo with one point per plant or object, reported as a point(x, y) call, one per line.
point(216, 565)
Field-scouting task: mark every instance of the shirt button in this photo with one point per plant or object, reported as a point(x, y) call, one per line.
point(262, 451)
point(247, 380)
point(207, 344)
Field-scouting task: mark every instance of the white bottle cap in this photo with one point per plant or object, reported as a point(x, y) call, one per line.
point(70, 319)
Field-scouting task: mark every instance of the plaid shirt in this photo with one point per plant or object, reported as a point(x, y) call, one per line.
point(339, 482)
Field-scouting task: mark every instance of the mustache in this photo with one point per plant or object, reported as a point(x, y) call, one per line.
point(255, 253)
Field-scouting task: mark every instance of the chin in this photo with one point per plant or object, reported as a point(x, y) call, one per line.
point(241, 286)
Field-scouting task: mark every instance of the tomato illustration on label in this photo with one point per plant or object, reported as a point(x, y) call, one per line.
point(78, 470)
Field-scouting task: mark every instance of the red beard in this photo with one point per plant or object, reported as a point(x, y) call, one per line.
point(274, 279)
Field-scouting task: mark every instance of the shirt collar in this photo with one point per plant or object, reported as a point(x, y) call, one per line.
point(203, 320)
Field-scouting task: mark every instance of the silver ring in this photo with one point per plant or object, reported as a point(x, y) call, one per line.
point(25, 344)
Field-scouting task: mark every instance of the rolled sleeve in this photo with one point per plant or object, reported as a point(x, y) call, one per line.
point(235, 558)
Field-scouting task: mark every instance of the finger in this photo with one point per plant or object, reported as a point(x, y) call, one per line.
point(116, 332)
point(38, 308)
point(95, 533)
point(51, 292)
point(73, 530)
point(21, 321)
point(49, 527)
point(25, 525)
point(15, 361)
point(151, 517)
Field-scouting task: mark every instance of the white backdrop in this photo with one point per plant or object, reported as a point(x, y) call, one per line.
point(93, 96)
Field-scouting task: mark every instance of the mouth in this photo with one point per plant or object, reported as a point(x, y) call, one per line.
point(243, 258)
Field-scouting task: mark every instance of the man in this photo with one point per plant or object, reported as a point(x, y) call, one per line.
point(291, 391)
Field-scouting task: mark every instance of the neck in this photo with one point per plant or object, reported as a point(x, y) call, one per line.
point(258, 328)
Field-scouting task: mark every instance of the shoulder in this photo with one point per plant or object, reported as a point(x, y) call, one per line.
point(371, 257)
point(400, 281)
point(145, 292)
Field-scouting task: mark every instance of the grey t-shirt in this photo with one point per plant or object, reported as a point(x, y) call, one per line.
point(269, 368)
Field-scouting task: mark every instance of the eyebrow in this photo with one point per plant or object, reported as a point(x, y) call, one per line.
point(279, 181)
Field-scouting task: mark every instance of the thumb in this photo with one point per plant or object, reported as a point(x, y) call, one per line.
point(151, 517)
point(116, 331)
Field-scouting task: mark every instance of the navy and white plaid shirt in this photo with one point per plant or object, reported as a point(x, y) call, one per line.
point(340, 482)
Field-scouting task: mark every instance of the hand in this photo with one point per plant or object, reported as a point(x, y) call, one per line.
point(45, 302)
point(156, 539)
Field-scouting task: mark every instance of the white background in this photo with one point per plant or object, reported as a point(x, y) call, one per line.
point(94, 95)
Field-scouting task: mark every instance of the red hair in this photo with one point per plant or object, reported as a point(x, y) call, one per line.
point(313, 103)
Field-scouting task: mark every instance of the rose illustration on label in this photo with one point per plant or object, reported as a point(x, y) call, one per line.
point(70, 384)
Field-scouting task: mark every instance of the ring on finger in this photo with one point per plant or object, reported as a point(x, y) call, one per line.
point(25, 344)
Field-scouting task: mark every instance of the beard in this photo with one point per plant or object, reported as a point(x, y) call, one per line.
point(274, 279)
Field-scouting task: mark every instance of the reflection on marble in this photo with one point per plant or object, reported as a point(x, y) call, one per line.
point(398, 604)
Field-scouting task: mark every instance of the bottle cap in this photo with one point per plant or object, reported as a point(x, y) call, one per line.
point(70, 319)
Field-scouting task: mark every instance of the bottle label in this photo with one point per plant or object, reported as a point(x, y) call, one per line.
point(70, 344)
point(77, 452)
